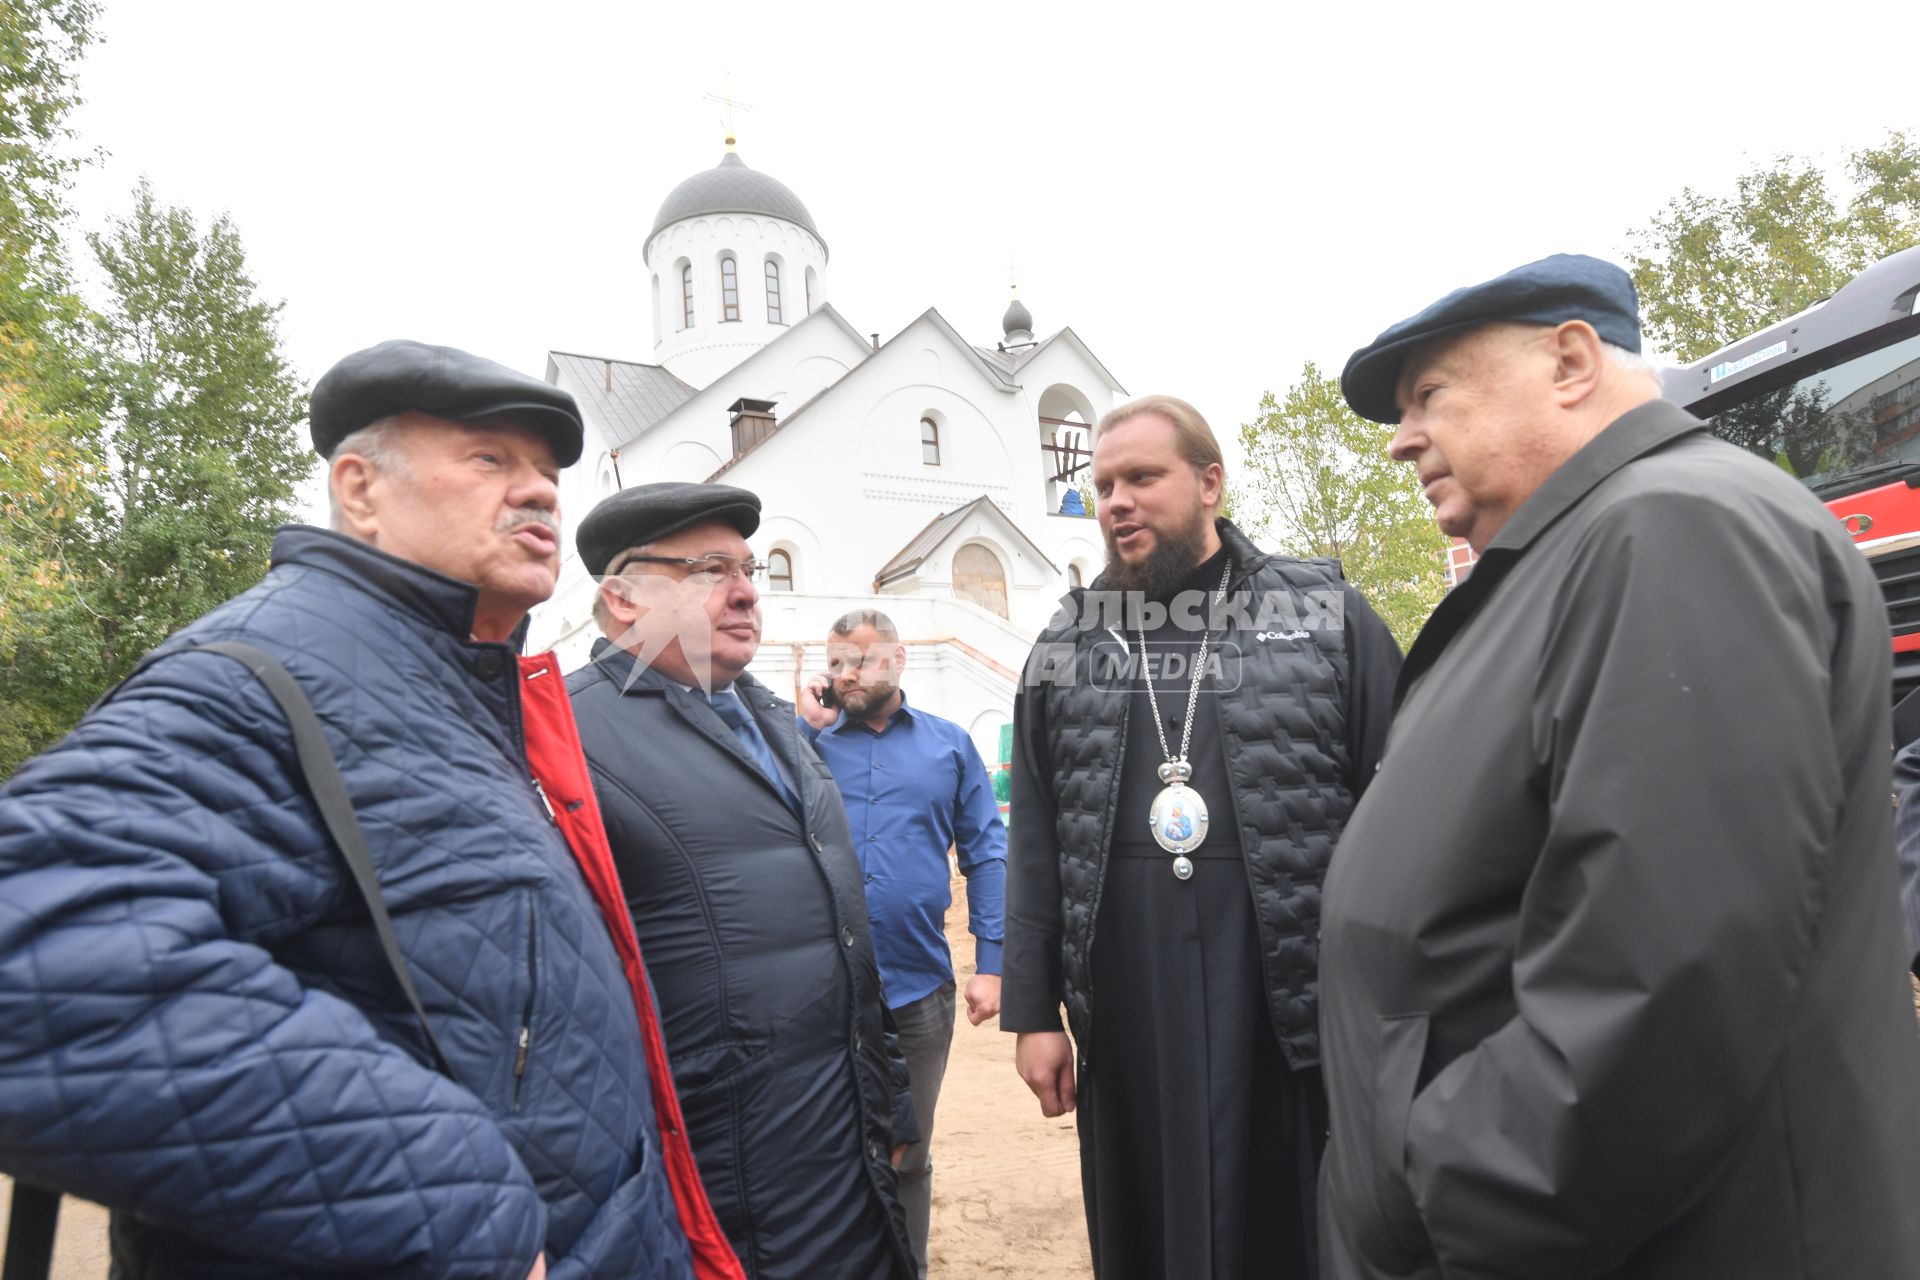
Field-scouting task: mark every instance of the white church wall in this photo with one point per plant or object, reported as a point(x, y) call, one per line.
point(852, 460)
point(805, 355)
point(1083, 551)
point(1064, 363)
point(689, 460)
point(786, 532)
point(809, 377)
point(974, 457)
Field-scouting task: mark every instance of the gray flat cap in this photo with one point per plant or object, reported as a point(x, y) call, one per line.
point(651, 511)
point(398, 376)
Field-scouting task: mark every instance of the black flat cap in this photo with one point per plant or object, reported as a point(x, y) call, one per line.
point(651, 511)
point(399, 376)
point(1567, 286)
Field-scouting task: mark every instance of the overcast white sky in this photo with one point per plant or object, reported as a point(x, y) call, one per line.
point(1209, 194)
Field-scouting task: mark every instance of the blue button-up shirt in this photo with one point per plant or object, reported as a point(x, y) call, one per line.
point(912, 791)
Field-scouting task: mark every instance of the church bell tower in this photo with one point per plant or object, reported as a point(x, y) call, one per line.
point(735, 259)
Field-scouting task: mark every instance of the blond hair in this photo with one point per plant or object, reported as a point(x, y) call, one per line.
point(1191, 433)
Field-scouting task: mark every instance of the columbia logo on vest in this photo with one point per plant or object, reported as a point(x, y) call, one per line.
point(1265, 636)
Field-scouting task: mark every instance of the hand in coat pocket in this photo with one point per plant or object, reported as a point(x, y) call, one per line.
point(1403, 1047)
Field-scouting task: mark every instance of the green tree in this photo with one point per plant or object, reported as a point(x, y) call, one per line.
point(1711, 269)
point(200, 426)
point(47, 650)
point(1318, 482)
point(42, 352)
point(48, 432)
point(41, 42)
point(165, 504)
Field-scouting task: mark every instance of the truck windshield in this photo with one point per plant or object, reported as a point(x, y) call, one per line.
point(1835, 426)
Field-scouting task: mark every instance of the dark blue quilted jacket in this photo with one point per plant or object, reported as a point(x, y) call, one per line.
point(197, 1027)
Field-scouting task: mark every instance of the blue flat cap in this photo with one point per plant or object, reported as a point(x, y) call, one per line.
point(648, 512)
point(401, 376)
point(1567, 286)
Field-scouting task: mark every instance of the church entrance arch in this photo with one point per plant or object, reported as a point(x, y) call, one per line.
point(979, 576)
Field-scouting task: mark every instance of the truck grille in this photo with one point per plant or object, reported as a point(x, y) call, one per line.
point(1899, 575)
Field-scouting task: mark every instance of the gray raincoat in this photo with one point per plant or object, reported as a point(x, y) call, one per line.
point(1613, 974)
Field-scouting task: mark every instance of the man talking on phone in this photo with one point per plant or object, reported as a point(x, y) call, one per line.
point(915, 787)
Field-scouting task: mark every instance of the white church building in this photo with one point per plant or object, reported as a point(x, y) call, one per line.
point(924, 475)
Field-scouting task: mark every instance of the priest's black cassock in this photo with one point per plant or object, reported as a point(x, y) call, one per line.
point(1199, 1145)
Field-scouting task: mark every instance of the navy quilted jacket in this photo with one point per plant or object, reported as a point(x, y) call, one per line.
point(197, 1027)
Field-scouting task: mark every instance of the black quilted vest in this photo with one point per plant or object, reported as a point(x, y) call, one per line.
point(1283, 707)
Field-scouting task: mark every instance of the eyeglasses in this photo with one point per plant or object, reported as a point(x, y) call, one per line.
point(712, 570)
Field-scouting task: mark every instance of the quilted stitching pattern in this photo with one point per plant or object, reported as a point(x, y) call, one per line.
point(1286, 743)
point(196, 1024)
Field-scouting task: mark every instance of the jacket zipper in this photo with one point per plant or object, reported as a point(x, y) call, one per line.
point(1105, 846)
point(1246, 855)
point(523, 1048)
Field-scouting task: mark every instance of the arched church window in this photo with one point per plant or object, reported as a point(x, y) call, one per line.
point(930, 442)
point(773, 292)
point(729, 289)
point(810, 284)
point(779, 571)
point(686, 296)
point(977, 576)
point(1073, 576)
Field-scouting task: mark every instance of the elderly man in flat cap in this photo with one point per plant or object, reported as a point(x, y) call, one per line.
point(268, 1066)
point(733, 846)
point(1614, 981)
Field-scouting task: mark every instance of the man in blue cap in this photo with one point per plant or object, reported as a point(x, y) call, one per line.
point(1613, 981)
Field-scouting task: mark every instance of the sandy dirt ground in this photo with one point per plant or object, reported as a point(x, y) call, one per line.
point(80, 1250)
point(1006, 1180)
point(1006, 1184)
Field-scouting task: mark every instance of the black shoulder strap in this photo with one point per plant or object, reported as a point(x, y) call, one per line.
point(30, 1225)
point(330, 796)
point(35, 1211)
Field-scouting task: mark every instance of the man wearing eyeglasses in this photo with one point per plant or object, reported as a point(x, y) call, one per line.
point(732, 845)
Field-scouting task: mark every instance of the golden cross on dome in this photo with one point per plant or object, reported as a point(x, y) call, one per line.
point(729, 102)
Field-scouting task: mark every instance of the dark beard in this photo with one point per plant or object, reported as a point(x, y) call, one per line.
point(1166, 567)
point(870, 700)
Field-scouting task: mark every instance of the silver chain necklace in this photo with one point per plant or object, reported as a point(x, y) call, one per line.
point(1178, 818)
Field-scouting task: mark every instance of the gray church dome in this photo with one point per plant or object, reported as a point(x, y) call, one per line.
point(1017, 320)
point(731, 187)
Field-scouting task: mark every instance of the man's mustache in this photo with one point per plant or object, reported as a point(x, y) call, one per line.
point(514, 519)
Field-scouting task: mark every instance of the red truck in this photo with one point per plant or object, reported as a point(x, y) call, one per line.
point(1833, 396)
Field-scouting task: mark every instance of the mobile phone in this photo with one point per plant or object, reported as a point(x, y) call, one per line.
point(828, 698)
